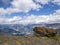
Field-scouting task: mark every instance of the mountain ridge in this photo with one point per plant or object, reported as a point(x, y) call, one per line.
point(19, 29)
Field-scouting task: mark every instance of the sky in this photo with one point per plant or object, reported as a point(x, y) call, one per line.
point(29, 11)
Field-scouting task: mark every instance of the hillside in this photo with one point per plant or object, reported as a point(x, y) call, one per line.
point(23, 35)
point(29, 40)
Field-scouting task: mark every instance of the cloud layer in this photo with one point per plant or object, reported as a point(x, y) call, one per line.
point(56, 2)
point(33, 19)
point(20, 6)
point(25, 6)
point(43, 1)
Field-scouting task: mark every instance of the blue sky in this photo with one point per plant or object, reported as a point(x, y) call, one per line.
point(29, 11)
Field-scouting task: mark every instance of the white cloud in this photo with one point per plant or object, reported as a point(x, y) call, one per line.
point(25, 5)
point(55, 17)
point(57, 12)
point(43, 1)
point(56, 2)
point(8, 11)
point(46, 1)
point(33, 19)
point(20, 6)
point(13, 20)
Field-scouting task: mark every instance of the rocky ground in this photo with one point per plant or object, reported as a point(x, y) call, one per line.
point(29, 40)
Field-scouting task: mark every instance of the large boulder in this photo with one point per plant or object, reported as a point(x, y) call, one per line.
point(45, 31)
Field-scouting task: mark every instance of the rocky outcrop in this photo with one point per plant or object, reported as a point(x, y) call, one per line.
point(45, 31)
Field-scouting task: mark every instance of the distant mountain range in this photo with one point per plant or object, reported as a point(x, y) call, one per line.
point(23, 30)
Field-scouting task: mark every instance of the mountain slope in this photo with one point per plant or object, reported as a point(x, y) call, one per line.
point(23, 30)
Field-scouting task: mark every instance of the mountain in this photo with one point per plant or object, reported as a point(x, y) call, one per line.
point(55, 26)
point(23, 30)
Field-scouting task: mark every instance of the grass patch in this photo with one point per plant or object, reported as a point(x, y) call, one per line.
point(1, 34)
point(57, 37)
point(20, 40)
